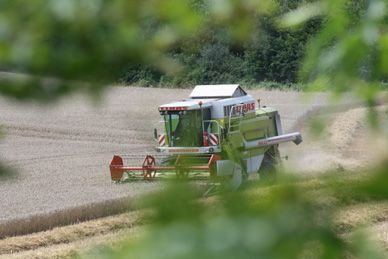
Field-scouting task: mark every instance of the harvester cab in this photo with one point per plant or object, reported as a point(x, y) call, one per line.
point(218, 133)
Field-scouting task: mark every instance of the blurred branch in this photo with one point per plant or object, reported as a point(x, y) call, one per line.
point(47, 89)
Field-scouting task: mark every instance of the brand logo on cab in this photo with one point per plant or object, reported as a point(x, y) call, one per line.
point(243, 108)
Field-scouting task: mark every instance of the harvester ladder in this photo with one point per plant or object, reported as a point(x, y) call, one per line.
point(234, 121)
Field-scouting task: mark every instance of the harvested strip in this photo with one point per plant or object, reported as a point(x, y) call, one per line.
point(46, 221)
point(80, 247)
point(71, 233)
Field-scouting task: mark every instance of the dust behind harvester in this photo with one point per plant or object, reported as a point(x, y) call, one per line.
point(218, 132)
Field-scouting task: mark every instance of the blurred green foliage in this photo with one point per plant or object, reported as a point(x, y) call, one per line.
point(350, 52)
point(60, 46)
point(6, 173)
point(91, 41)
point(288, 220)
point(86, 44)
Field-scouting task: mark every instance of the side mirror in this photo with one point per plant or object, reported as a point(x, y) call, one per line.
point(155, 134)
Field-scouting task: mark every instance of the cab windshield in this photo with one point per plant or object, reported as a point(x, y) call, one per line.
point(184, 128)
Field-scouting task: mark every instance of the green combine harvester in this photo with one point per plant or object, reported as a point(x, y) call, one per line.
point(218, 132)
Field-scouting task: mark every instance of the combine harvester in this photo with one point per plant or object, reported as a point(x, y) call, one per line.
point(217, 132)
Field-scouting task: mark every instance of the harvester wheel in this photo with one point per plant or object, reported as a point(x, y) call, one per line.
point(149, 174)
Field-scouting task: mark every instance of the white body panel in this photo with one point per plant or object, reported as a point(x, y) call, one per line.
point(215, 97)
point(216, 105)
point(216, 91)
point(217, 109)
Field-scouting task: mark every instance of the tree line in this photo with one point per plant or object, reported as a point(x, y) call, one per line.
point(269, 54)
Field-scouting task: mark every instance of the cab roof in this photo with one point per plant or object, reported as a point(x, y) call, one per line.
point(204, 96)
point(217, 91)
